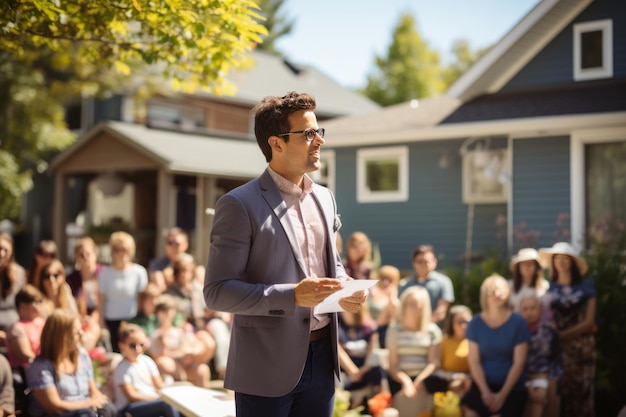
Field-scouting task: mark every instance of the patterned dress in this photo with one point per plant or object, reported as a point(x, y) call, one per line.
point(569, 304)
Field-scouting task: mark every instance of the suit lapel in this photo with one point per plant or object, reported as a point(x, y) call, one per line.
point(274, 199)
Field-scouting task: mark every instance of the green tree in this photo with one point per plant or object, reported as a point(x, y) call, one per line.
point(464, 58)
point(52, 51)
point(275, 23)
point(410, 70)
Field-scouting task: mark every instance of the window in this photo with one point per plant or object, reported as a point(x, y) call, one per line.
point(326, 174)
point(485, 176)
point(605, 189)
point(383, 174)
point(593, 50)
point(175, 117)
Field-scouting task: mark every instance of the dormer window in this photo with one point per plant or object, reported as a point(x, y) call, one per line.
point(593, 50)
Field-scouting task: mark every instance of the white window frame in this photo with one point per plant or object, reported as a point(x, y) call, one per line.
point(580, 138)
point(471, 196)
point(398, 153)
point(606, 70)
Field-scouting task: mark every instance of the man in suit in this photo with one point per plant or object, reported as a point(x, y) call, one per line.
point(272, 259)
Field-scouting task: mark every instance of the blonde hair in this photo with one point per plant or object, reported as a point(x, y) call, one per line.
point(85, 242)
point(391, 272)
point(57, 338)
point(487, 286)
point(182, 260)
point(421, 295)
point(123, 240)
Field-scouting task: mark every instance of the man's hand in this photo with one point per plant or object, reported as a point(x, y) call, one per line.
point(311, 291)
point(353, 303)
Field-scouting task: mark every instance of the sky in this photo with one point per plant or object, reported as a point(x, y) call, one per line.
point(341, 37)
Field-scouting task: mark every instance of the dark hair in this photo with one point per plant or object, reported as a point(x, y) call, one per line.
point(454, 311)
point(44, 247)
point(27, 295)
point(271, 117)
point(517, 277)
point(7, 279)
point(422, 249)
point(577, 277)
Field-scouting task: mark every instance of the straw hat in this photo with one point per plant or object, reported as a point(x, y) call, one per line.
point(525, 254)
point(563, 248)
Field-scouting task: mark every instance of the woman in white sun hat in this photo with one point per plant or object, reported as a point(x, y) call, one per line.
point(526, 270)
point(573, 302)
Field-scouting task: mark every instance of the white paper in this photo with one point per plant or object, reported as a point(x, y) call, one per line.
point(331, 303)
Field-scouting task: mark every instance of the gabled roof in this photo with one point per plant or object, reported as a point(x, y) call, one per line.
point(568, 99)
point(273, 75)
point(412, 114)
point(516, 48)
point(177, 152)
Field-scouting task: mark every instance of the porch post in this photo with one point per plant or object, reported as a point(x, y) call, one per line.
point(164, 210)
point(59, 214)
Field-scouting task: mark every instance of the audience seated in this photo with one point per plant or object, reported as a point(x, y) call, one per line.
point(413, 345)
point(12, 279)
point(57, 293)
point(179, 352)
point(453, 374)
point(187, 291)
point(7, 394)
point(25, 335)
point(45, 252)
point(61, 378)
point(136, 378)
point(161, 269)
point(358, 260)
point(358, 337)
point(382, 300)
point(543, 366)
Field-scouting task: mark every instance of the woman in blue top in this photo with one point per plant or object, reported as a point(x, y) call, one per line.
point(573, 303)
point(498, 346)
point(61, 378)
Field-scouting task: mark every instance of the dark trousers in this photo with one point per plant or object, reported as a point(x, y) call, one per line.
point(114, 327)
point(314, 396)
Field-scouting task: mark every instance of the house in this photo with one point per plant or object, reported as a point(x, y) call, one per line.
point(526, 148)
point(167, 164)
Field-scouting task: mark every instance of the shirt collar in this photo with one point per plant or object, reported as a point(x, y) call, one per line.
point(287, 187)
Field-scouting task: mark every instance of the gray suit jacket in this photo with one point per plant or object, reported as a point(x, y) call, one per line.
point(254, 265)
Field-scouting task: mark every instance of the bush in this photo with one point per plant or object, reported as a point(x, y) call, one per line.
point(607, 268)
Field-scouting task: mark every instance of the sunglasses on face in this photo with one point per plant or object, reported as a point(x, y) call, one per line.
point(135, 345)
point(173, 243)
point(54, 275)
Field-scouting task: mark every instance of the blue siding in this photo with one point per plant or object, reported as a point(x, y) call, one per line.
point(541, 186)
point(554, 64)
point(434, 213)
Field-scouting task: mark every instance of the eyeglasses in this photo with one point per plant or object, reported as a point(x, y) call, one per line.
point(119, 249)
point(54, 275)
point(134, 345)
point(460, 322)
point(173, 243)
point(309, 134)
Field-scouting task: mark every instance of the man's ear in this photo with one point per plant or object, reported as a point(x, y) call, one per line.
point(275, 143)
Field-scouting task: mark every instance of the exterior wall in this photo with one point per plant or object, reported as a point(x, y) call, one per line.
point(554, 64)
point(541, 189)
point(434, 213)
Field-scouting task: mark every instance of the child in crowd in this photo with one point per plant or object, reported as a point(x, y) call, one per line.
point(179, 352)
point(543, 365)
point(136, 378)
